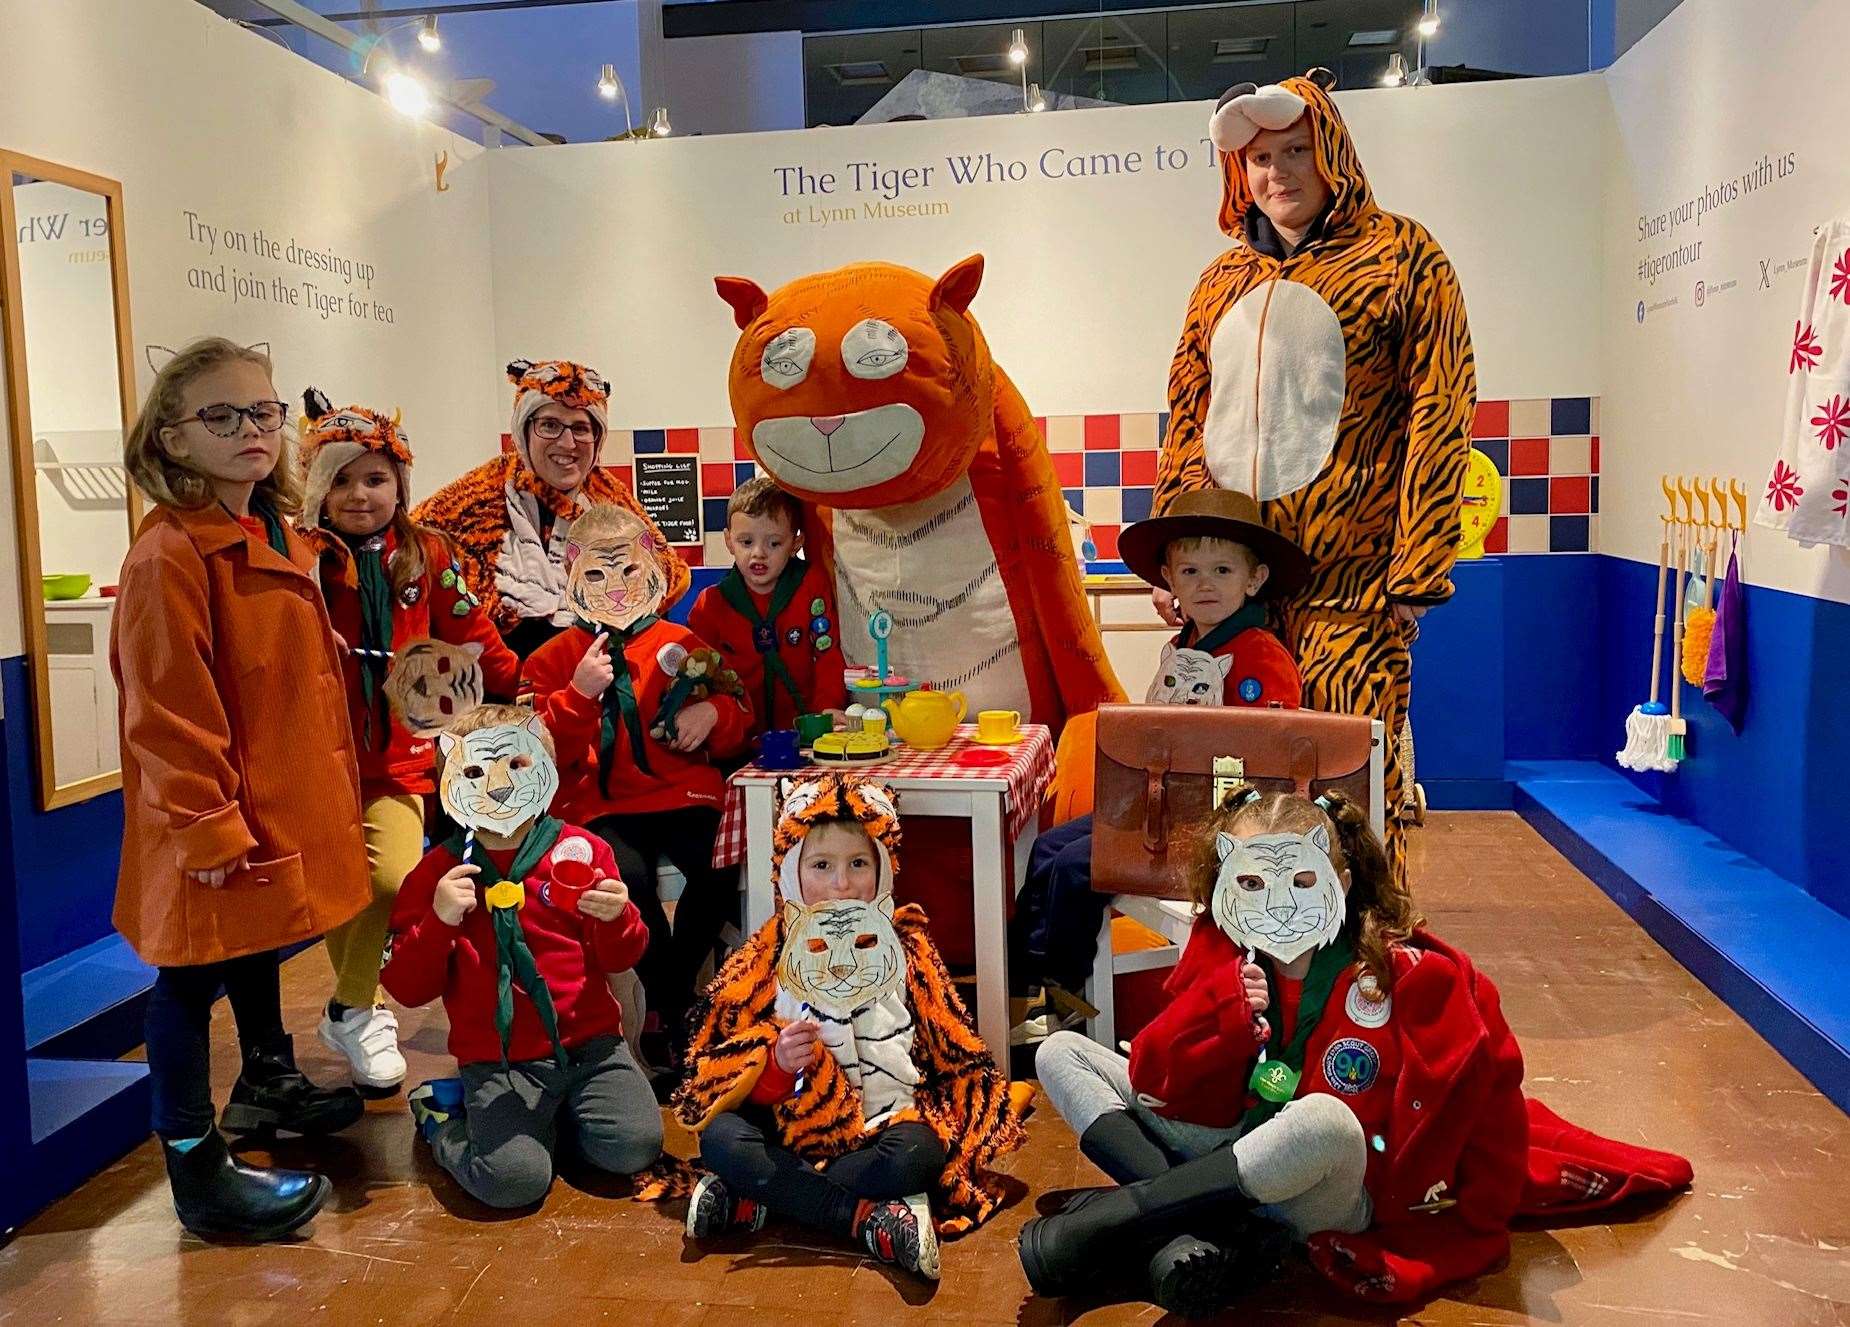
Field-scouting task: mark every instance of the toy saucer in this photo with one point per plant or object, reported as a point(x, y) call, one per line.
point(987, 755)
point(997, 741)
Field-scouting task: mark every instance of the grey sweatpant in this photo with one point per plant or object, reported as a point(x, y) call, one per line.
point(1304, 1166)
point(501, 1149)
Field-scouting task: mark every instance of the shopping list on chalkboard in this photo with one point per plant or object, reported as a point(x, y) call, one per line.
point(668, 487)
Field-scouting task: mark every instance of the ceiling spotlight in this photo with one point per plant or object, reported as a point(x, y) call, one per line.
point(1018, 48)
point(427, 34)
point(607, 85)
point(1036, 102)
point(658, 123)
point(1429, 23)
point(1396, 75)
point(407, 95)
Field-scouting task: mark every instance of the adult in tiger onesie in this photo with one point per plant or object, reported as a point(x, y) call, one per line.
point(1325, 368)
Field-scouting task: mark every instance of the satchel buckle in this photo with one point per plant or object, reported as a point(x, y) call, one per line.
point(1229, 773)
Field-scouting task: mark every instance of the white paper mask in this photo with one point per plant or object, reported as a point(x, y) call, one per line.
point(1278, 893)
point(842, 955)
point(1189, 677)
point(497, 779)
point(616, 574)
point(432, 683)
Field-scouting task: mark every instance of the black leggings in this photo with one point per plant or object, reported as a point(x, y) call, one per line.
point(685, 837)
point(902, 1159)
point(179, 1027)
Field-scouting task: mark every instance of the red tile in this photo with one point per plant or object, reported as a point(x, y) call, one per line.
point(507, 442)
point(1498, 540)
point(692, 554)
point(1105, 539)
point(1493, 420)
point(1070, 469)
point(1040, 422)
point(1528, 456)
point(1101, 433)
point(716, 479)
point(1569, 495)
point(741, 450)
point(684, 441)
point(624, 474)
point(1596, 456)
point(1138, 469)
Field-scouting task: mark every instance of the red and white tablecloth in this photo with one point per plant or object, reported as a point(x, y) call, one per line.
point(1028, 771)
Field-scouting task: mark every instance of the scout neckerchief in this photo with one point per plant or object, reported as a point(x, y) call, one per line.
point(272, 524)
point(1251, 614)
point(505, 895)
point(375, 650)
point(620, 700)
point(1275, 1078)
point(733, 589)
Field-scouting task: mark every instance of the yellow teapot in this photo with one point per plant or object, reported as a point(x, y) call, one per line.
point(926, 719)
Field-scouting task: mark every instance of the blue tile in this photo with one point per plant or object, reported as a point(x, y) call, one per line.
point(1572, 416)
point(1498, 450)
point(648, 441)
point(712, 515)
point(1593, 496)
point(1075, 498)
point(1101, 469)
point(1136, 504)
point(1162, 428)
point(1528, 497)
point(743, 471)
point(1567, 534)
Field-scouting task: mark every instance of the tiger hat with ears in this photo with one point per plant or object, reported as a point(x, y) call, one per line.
point(811, 802)
point(332, 436)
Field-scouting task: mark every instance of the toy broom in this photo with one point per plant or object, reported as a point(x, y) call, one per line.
point(1647, 731)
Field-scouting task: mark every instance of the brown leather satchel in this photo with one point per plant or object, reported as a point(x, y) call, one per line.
point(1163, 768)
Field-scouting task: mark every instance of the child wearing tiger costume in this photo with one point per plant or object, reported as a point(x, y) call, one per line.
point(1325, 368)
point(389, 584)
point(834, 1077)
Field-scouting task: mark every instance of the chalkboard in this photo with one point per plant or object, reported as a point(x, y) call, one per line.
point(668, 487)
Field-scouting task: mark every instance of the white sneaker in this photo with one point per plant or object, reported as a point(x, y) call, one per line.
point(369, 1040)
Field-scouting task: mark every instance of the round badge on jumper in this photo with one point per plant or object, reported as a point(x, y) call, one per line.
point(670, 658)
point(816, 606)
point(1368, 1008)
point(1250, 689)
point(1351, 1066)
point(794, 636)
point(411, 594)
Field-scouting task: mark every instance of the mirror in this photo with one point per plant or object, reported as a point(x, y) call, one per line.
point(70, 394)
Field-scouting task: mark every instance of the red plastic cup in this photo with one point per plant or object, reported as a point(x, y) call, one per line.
point(570, 880)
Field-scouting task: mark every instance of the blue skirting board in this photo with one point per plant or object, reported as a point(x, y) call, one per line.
point(1772, 952)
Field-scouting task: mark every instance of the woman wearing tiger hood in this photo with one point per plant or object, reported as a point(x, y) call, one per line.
point(510, 516)
point(833, 1072)
point(392, 588)
point(1325, 368)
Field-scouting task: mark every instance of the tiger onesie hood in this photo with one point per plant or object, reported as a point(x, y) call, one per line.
point(1335, 383)
point(960, 1094)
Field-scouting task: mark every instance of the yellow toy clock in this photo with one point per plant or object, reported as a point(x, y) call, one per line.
point(1483, 503)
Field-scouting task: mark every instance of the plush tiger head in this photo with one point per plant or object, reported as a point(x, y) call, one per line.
point(555, 380)
point(432, 683)
point(498, 770)
point(842, 955)
point(615, 573)
point(863, 387)
point(1246, 109)
point(828, 798)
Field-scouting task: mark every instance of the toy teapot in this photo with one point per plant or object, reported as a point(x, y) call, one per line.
point(926, 719)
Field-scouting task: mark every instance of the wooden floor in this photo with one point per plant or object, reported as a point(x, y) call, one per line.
point(1616, 1036)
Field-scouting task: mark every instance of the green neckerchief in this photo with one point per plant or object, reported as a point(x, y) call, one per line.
point(272, 524)
point(514, 959)
point(619, 699)
point(1251, 614)
point(1326, 966)
point(375, 634)
point(733, 589)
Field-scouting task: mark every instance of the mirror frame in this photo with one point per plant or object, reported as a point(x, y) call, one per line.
point(19, 424)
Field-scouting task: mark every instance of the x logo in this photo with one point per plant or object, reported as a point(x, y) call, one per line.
point(1766, 279)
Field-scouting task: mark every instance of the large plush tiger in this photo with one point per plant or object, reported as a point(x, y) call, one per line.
point(1335, 383)
point(870, 392)
point(957, 1092)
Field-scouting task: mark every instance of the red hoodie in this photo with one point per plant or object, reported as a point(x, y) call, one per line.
point(425, 959)
point(808, 641)
point(404, 763)
point(674, 779)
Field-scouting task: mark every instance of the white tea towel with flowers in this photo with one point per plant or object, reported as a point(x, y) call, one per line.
point(1808, 493)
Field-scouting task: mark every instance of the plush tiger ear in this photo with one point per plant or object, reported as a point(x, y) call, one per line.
point(746, 297)
point(957, 287)
point(518, 369)
point(315, 404)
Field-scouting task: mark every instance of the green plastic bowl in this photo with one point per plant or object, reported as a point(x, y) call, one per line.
point(71, 586)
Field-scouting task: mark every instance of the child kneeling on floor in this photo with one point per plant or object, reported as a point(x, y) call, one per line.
point(834, 1078)
point(516, 922)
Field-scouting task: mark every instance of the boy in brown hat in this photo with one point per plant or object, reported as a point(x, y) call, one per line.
point(1211, 550)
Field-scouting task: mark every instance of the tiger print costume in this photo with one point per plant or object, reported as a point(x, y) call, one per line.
point(1347, 391)
point(961, 1096)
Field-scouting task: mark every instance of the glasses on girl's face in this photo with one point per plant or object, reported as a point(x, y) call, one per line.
point(224, 420)
point(551, 430)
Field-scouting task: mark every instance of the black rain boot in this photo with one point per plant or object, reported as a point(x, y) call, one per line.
point(272, 1096)
point(1198, 1278)
point(1101, 1230)
point(218, 1197)
point(1118, 1145)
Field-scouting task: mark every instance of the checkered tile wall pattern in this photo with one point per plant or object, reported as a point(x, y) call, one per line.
point(1547, 451)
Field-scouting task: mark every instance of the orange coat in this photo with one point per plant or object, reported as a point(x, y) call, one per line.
point(235, 740)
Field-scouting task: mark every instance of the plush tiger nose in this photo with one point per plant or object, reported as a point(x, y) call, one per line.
point(827, 424)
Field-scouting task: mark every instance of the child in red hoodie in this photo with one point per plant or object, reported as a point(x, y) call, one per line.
point(516, 923)
point(639, 728)
point(414, 633)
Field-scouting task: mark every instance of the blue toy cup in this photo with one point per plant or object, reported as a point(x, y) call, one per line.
point(778, 749)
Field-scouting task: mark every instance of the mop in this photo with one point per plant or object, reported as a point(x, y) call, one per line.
point(1678, 728)
point(1647, 730)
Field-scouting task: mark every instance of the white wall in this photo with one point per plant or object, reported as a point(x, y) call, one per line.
point(736, 84)
point(1701, 389)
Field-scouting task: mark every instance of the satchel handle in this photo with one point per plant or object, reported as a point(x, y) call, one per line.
point(1303, 764)
point(1156, 810)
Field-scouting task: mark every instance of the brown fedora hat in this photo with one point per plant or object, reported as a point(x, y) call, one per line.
point(1213, 513)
